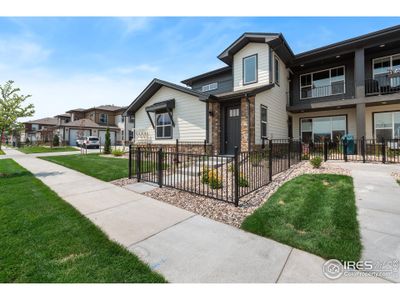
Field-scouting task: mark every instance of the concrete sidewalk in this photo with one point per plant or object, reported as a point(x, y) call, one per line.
point(182, 246)
point(378, 206)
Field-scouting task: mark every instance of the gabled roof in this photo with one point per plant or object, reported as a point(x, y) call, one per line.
point(43, 121)
point(275, 40)
point(66, 115)
point(242, 93)
point(76, 110)
point(154, 86)
point(85, 123)
point(190, 81)
point(106, 107)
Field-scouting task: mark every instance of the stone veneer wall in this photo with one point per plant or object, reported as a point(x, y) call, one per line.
point(246, 144)
point(215, 127)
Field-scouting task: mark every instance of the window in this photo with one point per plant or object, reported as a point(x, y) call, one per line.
point(264, 118)
point(234, 112)
point(384, 66)
point(387, 125)
point(35, 127)
point(132, 119)
point(209, 87)
point(163, 126)
point(322, 83)
point(276, 70)
point(323, 128)
point(103, 118)
point(250, 69)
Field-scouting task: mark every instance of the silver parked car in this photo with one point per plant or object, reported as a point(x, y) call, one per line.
point(91, 142)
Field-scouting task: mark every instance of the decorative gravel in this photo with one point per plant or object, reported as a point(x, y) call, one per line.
point(396, 175)
point(123, 181)
point(227, 212)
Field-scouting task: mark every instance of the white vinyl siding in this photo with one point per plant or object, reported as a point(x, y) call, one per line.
point(262, 51)
point(275, 101)
point(189, 116)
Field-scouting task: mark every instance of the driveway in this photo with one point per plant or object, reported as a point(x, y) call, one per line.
point(378, 203)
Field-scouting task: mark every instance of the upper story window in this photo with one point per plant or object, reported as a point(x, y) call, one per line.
point(323, 83)
point(103, 118)
point(163, 126)
point(386, 70)
point(132, 119)
point(264, 121)
point(276, 70)
point(250, 69)
point(209, 87)
point(35, 126)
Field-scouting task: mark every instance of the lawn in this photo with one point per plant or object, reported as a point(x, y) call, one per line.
point(44, 239)
point(104, 168)
point(315, 213)
point(43, 149)
point(2, 152)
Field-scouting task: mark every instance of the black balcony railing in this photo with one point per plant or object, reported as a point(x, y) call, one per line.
point(382, 85)
point(335, 88)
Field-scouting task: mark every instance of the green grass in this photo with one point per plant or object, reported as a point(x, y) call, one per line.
point(2, 152)
point(43, 149)
point(103, 168)
point(315, 213)
point(44, 239)
point(398, 181)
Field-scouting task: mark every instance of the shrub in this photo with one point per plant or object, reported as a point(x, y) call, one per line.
point(56, 141)
point(243, 182)
point(27, 141)
point(255, 159)
point(118, 152)
point(305, 157)
point(214, 181)
point(316, 162)
point(107, 142)
point(204, 175)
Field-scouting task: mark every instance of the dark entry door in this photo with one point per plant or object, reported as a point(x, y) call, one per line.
point(232, 128)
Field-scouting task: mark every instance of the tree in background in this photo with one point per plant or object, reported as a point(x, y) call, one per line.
point(107, 142)
point(56, 140)
point(11, 108)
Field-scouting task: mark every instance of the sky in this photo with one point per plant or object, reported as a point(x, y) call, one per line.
point(76, 62)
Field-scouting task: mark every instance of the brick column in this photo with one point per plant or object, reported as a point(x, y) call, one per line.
point(247, 135)
point(215, 121)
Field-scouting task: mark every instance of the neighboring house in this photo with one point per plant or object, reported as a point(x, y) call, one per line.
point(38, 130)
point(95, 121)
point(266, 91)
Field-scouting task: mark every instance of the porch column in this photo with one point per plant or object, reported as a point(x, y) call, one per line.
point(215, 127)
point(247, 123)
point(360, 115)
point(359, 73)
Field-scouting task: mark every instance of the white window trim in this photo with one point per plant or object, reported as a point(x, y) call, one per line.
point(385, 112)
point(382, 57)
point(100, 117)
point(209, 87)
point(255, 69)
point(263, 122)
point(330, 82)
point(163, 126)
point(312, 125)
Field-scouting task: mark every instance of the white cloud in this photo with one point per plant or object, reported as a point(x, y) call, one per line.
point(134, 24)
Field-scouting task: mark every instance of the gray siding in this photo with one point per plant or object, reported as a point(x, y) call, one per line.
point(349, 75)
point(225, 83)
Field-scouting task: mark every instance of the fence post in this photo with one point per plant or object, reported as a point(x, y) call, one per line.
point(138, 164)
point(270, 160)
point(383, 150)
point(236, 169)
point(176, 151)
point(325, 150)
point(289, 146)
point(130, 162)
point(363, 148)
point(262, 143)
point(160, 167)
point(345, 149)
point(205, 146)
point(301, 149)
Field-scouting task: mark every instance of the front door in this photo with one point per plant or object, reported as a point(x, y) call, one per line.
point(232, 128)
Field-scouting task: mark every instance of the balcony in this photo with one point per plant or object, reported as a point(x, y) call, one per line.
point(335, 88)
point(382, 85)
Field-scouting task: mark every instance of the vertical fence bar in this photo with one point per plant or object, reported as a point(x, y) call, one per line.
point(345, 149)
point(325, 150)
point(160, 167)
point(383, 151)
point(270, 159)
point(289, 145)
point(130, 162)
point(236, 168)
point(363, 148)
point(138, 163)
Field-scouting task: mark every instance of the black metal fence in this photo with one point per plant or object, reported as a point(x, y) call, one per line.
point(362, 150)
point(226, 178)
point(185, 146)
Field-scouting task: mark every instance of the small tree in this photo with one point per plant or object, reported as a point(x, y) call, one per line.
point(11, 108)
point(107, 142)
point(56, 140)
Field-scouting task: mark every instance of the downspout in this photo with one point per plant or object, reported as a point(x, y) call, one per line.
point(248, 120)
point(207, 122)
